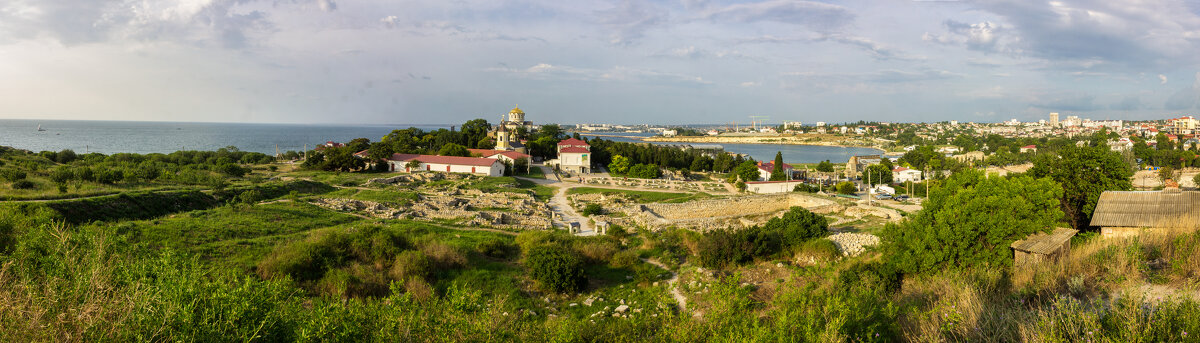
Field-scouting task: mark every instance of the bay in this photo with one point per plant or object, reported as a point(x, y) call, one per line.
point(766, 152)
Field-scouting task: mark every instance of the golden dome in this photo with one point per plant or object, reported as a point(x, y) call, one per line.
point(516, 110)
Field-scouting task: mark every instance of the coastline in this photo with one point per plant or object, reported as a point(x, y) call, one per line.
point(764, 140)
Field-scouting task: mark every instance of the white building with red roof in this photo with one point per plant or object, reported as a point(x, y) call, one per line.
point(503, 155)
point(764, 170)
point(449, 164)
point(1029, 148)
point(574, 156)
point(902, 174)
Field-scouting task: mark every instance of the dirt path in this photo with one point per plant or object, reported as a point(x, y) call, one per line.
point(680, 300)
point(567, 214)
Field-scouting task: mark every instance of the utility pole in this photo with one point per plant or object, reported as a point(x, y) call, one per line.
point(868, 186)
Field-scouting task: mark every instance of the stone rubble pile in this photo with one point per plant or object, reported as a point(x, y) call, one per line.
point(852, 244)
point(506, 210)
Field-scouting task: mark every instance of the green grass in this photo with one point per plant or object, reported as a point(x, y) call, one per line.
point(643, 196)
point(339, 178)
point(534, 172)
point(540, 192)
point(233, 235)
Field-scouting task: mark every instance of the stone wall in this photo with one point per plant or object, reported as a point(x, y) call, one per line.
point(717, 213)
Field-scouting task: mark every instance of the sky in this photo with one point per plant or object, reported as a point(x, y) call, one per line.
point(581, 61)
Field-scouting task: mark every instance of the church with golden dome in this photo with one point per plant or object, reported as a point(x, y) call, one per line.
point(506, 132)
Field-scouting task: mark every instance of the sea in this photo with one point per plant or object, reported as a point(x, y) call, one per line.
point(143, 137)
point(109, 137)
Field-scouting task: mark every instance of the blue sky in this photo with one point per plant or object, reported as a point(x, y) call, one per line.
point(689, 61)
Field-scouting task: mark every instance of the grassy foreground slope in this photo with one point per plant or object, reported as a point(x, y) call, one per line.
point(273, 267)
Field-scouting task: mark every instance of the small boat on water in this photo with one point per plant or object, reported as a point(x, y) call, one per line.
point(40, 128)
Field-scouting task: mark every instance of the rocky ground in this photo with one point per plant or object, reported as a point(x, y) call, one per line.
point(852, 244)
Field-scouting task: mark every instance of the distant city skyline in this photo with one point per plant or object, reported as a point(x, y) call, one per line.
point(621, 62)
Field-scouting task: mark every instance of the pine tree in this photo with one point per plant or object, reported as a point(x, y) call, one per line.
point(777, 173)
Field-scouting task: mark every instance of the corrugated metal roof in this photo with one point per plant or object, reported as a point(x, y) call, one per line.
point(1043, 243)
point(1169, 208)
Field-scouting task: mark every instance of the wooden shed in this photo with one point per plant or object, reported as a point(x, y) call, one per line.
point(1121, 214)
point(1042, 246)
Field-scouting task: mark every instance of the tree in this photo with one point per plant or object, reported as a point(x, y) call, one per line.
point(1083, 173)
point(971, 220)
point(555, 268)
point(878, 174)
point(379, 151)
point(451, 149)
point(1196, 180)
point(1162, 142)
point(474, 132)
point(619, 164)
point(747, 171)
point(825, 166)
point(521, 164)
point(342, 159)
point(412, 166)
point(358, 144)
point(1167, 173)
point(777, 173)
point(645, 171)
point(552, 131)
point(701, 163)
point(846, 187)
point(723, 163)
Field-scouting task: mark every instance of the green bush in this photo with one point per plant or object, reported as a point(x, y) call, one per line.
point(872, 275)
point(846, 187)
point(496, 248)
point(645, 171)
point(109, 175)
point(233, 170)
point(971, 219)
point(250, 197)
point(12, 174)
point(624, 259)
point(24, 184)
point(555, 269)
point(61, 175)
point(410, 264)
point(616, 231)
point(798, 225)
point(807, 188)
point(592, 209)
point(719, 248)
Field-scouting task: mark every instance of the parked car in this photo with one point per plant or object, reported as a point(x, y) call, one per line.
point(883, 196)
point(902, 197)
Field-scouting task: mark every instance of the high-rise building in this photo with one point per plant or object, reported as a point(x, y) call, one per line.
point(1054, 119)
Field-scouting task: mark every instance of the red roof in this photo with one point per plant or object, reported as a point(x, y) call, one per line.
point(574, 149)
point(456, 160)
point(900, 169)
point(489, 153)
point(1029, 147)
point(573, 142)
point(771, 166)
point(361, 153)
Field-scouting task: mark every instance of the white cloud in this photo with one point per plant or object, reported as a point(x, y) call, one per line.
point(545, 71)
point(1162, 78)
point(327, 5)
